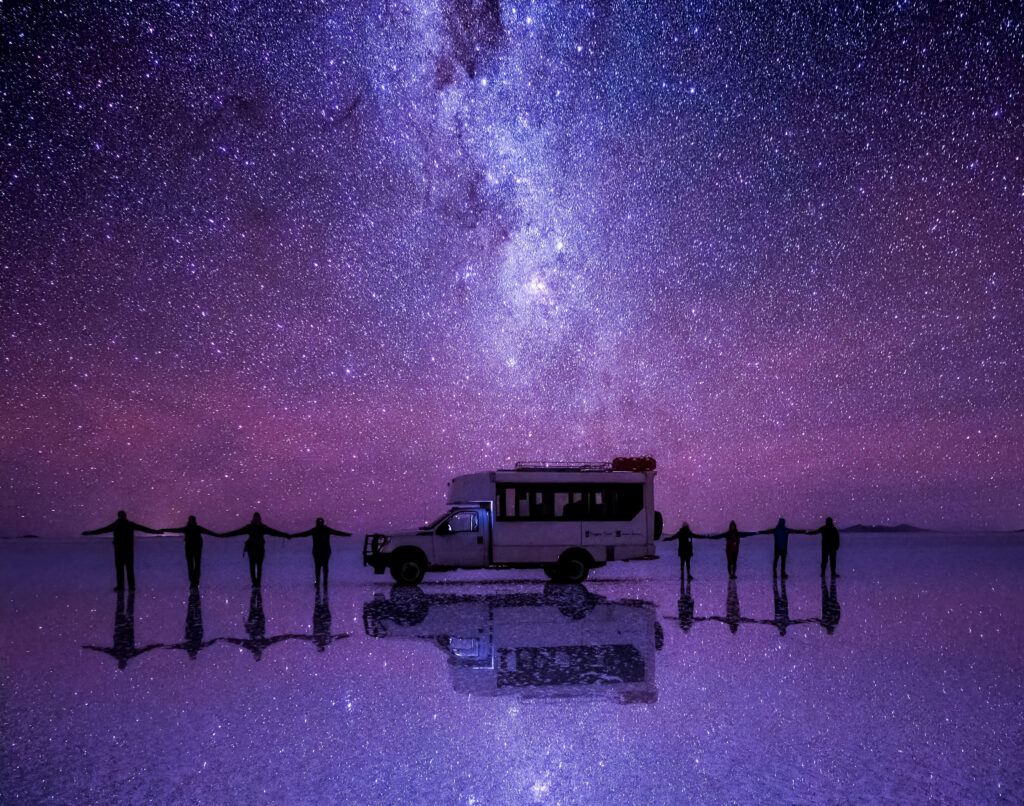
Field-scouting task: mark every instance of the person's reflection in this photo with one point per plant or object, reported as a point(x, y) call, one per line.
point(256, 628)
point(732, 615)
point(685, 605)
point(829, 606)
point(321, 620)
point(781, 620)
point(123, 647)
point(732, 607)
point(321, 636)
point(193, 642)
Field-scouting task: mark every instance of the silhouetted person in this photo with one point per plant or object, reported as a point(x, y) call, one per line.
point(685, 548)
point(193, 547)
point(124, 546)
point(686, 606)
point(732, 545)
point(255, 545)
point(321, 534)
point(782, 533)
point(829, 606)
point(829, 544)
point(123, 647)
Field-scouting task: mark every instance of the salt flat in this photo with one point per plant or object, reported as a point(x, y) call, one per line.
point(899, 683)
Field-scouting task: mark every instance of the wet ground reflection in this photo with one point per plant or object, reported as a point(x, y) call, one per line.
point(122, 647)
point(255, 641)
point(553, 643)
point(562, 642)
point(897, 682)
point(829, 620)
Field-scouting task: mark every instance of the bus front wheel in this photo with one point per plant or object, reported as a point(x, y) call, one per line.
point(407, 568)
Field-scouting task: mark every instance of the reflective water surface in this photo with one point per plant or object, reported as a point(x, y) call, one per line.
point(899, 681)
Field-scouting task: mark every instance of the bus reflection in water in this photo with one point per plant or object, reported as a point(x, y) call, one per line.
point(563, 642)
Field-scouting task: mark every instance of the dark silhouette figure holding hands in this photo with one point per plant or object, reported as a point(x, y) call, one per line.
point(782, 533)
point(829, 544)
point(193, 547)
point(255, 545)
point(321, 534)
point(685, 537)
point(124, 546)
point(123, 647)
point(732, 545)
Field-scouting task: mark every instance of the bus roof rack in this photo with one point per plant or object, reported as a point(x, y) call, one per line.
point(577, 466)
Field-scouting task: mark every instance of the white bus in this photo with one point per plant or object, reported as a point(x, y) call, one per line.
point(564, 518)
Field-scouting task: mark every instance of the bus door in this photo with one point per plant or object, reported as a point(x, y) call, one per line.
point(461, 540)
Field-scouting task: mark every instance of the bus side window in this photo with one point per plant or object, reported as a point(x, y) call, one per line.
point(562, 504)
point(595, 506)
point(522, 503)
point(611, 503)
point(508, 502)
point(575, 508)
point(543, 506)
point(623, 502)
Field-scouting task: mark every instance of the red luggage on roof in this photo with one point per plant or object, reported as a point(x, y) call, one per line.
point(634, 463)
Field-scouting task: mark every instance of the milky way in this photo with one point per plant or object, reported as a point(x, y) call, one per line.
point(318, 258)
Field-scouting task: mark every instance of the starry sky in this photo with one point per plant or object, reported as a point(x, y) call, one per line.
point(315, 258)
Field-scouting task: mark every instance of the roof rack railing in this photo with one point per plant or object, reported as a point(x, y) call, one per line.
point(563, 466)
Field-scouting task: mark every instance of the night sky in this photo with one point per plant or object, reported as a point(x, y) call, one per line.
point(317, 258)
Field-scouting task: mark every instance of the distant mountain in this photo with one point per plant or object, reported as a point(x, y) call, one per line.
point(19, 537)
point(899, 527)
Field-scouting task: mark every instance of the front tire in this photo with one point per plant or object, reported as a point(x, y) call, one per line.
point(408, 569)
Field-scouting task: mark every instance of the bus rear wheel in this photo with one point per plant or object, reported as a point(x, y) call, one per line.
point(408, 569)
point(572, 568)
